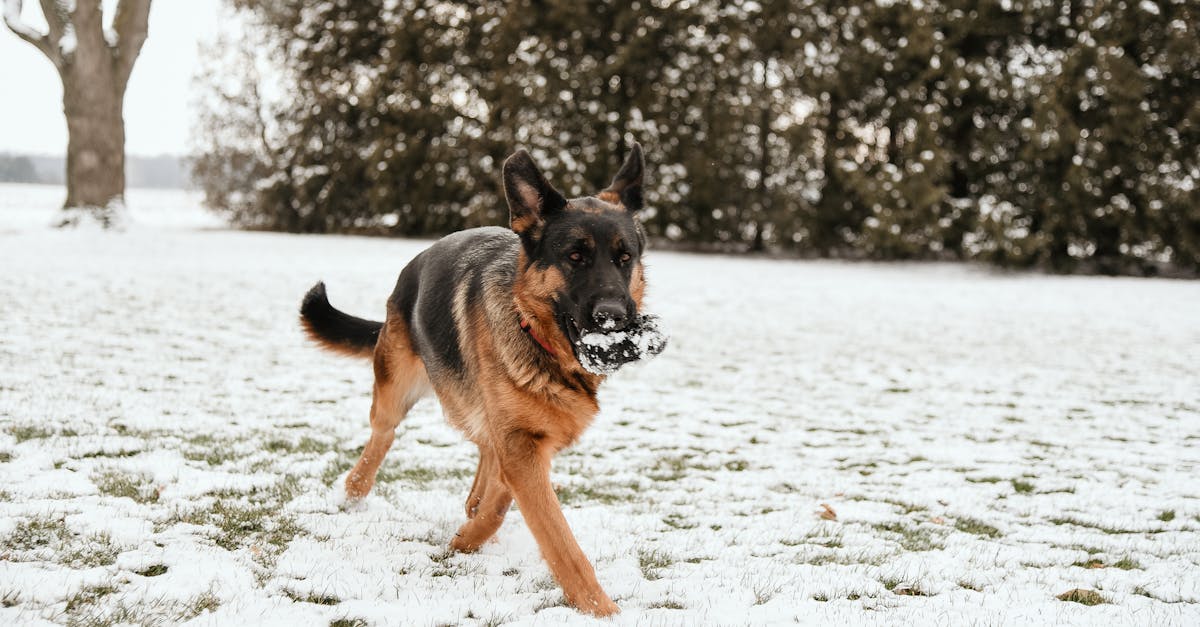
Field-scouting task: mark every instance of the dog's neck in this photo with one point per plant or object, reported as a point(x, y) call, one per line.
point(528, 328)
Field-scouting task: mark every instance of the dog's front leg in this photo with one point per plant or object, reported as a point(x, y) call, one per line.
point(525, 465)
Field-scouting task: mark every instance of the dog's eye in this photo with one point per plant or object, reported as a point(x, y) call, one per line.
point(625, 257)
point(575, 257)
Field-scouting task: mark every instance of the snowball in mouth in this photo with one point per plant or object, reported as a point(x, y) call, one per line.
point(605, 352)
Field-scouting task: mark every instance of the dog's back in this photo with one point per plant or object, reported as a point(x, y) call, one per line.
point(439, 288)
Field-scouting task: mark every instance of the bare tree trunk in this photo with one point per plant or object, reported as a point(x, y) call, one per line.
point(94, 64)
point(95, 145)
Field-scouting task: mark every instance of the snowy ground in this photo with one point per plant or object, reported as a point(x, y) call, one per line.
point(170, 447)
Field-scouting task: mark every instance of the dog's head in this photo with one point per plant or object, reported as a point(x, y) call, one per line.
point(583, 255)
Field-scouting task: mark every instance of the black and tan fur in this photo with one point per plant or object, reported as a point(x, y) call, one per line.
point(454, 328)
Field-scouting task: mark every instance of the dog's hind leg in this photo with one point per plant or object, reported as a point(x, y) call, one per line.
point(487, 466)
point(400, 381)
point(486, 506)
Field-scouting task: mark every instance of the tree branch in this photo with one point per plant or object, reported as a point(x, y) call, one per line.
point(12, 19)
point(131, 24)
point(56, 18)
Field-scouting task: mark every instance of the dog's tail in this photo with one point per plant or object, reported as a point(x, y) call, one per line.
point(334, 330)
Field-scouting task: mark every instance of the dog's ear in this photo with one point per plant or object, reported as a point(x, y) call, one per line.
point(531, 198)
point(627, 184)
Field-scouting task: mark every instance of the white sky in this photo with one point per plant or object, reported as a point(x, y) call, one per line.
point(158, 116)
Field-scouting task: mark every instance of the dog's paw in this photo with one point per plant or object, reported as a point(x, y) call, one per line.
point(600, 607)
point(349, 504)
point(596, 603)
point(344, 495)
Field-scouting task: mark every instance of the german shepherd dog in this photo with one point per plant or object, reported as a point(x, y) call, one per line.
point(487, 319)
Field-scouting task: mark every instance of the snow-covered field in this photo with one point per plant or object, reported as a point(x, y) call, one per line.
point(822, 442)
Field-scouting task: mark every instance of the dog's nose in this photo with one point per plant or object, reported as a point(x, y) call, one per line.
point(610, 314)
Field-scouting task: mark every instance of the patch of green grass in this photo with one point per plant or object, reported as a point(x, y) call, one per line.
point(210, 450)
point(107, 616)
point(5, 496)
point(677, 521)
point(1069, 520)
point(825, 535)
point(238, 524)
point(111, 454)
point(652, 562)
point(905, 507)
point(5, 457)
point(153, 571)
point(676, 467)
point(967, 585)
point(23, 433)
point(977, 527)
point(1093, 562)
point(669, 468)
point(1082, 596)
point(202, 603)
point(313, 446)
point(913, 538)
point(984, 479)
point(311, 597)
point(606, 493)
point(903, 588)
point(35, 533)
point(96, 550)
point(138, 487)
point(1126, 563)
point(306, 445)
point(88, 595)
point(1143, 592)
point(280, 493)
point(737, 465)
point(1167, 516)
point(668, 604)
point(278, 446)
point(348, 622)
point(334, 469)
point(822, 557)
point(421, 476)
point(1022, 487)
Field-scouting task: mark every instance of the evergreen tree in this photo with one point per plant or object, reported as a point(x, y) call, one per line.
point(1050, 133)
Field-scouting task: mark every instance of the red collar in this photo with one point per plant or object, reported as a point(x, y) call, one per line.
point(528, 328)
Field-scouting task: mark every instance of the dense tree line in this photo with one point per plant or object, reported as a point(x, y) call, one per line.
point(17, 169)
point(1053, 133)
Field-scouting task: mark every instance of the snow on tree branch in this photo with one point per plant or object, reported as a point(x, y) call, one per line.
point(12, 19)
point(58, 18)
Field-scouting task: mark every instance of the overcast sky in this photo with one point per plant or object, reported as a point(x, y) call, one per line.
point(157, 103)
